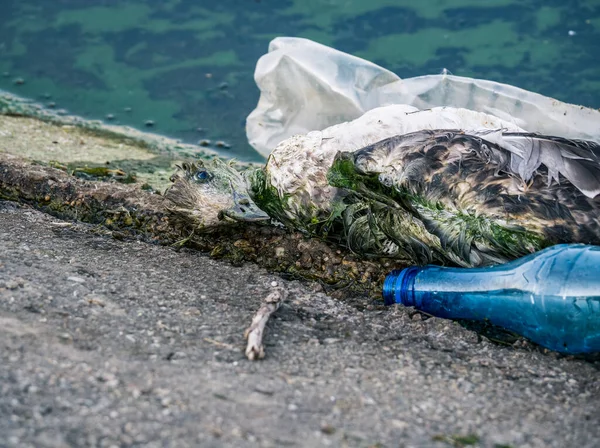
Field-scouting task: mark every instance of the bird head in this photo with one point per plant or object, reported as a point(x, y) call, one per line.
point(205, 194)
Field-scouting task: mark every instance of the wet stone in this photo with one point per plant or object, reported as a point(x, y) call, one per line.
point(222, 144)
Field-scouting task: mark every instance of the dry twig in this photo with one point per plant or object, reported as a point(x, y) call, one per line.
point(254, 333)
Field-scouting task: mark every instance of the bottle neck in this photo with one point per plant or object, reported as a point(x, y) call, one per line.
point(399, 284)
point(405, 286)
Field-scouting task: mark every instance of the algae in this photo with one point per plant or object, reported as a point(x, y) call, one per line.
point(166, 61)
point(90, 149)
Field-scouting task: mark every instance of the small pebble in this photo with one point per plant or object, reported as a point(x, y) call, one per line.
point(76, 279)
point(11, 284)
point(273, 284)
point(65, 337)
point(327, 429)
point(177, 355)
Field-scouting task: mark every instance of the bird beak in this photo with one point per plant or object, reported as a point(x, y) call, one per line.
point(244, 208)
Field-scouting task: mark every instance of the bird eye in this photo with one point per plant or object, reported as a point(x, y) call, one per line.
point(202, 175)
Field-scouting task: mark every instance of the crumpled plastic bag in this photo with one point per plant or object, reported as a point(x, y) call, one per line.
point(306, 86)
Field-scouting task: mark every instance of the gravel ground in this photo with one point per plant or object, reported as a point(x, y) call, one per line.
point(121, 343)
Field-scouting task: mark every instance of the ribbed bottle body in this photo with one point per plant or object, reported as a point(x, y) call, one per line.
point(551, 297)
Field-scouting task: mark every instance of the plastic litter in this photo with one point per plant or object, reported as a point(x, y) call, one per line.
point(306, 86)
point(551, 297)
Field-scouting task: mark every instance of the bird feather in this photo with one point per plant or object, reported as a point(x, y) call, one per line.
point(475, 198)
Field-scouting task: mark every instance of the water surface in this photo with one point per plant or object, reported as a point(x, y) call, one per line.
point(188, 68)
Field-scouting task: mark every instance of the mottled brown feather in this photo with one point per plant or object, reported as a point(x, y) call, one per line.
point(468, 174)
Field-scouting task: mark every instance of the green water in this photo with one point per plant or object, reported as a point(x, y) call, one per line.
point(186, 67)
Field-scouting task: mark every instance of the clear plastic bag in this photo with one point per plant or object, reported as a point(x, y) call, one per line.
point(306, 86)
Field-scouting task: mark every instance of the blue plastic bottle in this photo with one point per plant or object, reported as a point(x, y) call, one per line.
point(551, 297)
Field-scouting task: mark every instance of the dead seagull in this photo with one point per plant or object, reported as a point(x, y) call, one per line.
point(446, 186)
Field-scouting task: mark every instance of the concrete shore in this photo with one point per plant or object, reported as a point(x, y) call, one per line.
point(123, 343)
point(111, 337)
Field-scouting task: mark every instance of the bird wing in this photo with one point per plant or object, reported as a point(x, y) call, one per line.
point(485, 200)
point(577, 160)
point(515, 153)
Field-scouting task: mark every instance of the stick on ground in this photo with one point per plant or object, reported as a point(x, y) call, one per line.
point(254, 333)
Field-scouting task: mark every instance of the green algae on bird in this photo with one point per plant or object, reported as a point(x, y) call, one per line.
point(404, 190)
